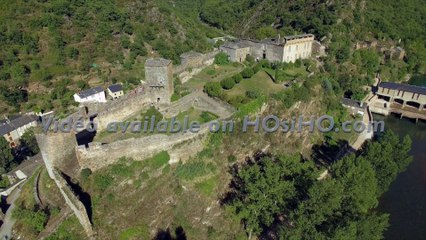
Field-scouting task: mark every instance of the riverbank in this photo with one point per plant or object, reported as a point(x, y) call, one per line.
point(406, 199)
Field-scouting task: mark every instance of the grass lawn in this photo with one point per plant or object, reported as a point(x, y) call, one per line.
point(260, 81)
point(289, 73)
point(196, 115)
point(211, 73)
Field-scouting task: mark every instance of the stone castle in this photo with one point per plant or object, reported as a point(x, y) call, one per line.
point(286, 49)
point(64, 155)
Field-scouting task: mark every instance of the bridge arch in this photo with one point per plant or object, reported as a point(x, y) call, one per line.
point(414, 104)
point(399, 101)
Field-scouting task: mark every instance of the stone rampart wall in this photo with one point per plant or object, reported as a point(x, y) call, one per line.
point(98, 155)
point(74, 203)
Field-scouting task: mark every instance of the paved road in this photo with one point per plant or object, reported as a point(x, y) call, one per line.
point(6, 228)
point(28, 167)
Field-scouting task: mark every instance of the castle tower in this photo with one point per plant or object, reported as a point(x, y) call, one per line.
point(159, 79)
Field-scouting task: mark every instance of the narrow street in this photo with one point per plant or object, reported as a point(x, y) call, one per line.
point(6, 228)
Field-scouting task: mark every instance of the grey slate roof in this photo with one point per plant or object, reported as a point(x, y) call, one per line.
point(237, 45)
point(403, 87)
point(157, 62)
point(298, 36)
point(15, 123)
point(115, 88)
point(90, 92)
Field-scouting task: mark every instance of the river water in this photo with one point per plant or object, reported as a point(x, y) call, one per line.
point(406, 198)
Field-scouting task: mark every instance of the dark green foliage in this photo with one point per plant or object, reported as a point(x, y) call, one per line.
point(388, 156)
point(213, 89)
point(174, 97)
point(290, 96)
point(338, 206)
point(206, 117)
point(358, 178)
point(13, 96)
point(221, 59)
point(152, 112)
point(232, 159)
point(247, 73)
point(85, 174)
point(227, 83)
point(253, 94)
point(29, 141)
point(6, 156)
point(266, 187)
point(36, 219)
point(237, 78)
point(102, 182)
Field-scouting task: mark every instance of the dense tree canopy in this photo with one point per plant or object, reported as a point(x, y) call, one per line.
point(283, 192)
point(6, 156)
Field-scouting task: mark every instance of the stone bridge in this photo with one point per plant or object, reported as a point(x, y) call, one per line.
point(406, 100)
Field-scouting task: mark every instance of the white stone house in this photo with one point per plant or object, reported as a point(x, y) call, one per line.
point(115, 91)
point(12, 129)
point(92, 95)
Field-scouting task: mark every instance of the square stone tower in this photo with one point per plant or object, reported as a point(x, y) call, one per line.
point(159, 79)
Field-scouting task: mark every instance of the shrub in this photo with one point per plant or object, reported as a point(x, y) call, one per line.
point(213, 89)
point(265, 64)
point(206, 117)
point(4, 182)
point(152, 111)
point(227, 83)
point(257, 68)
point(253, 93)
point(221, 59)
point(174, 97)
point(237, 78)
point(36, 219)
point(85, 174)
point(247, 73)
point(232, 159)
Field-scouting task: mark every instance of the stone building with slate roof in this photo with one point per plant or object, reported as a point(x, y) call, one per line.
point(13, 128)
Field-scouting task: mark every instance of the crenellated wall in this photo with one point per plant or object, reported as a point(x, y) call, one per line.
point(98, 155)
